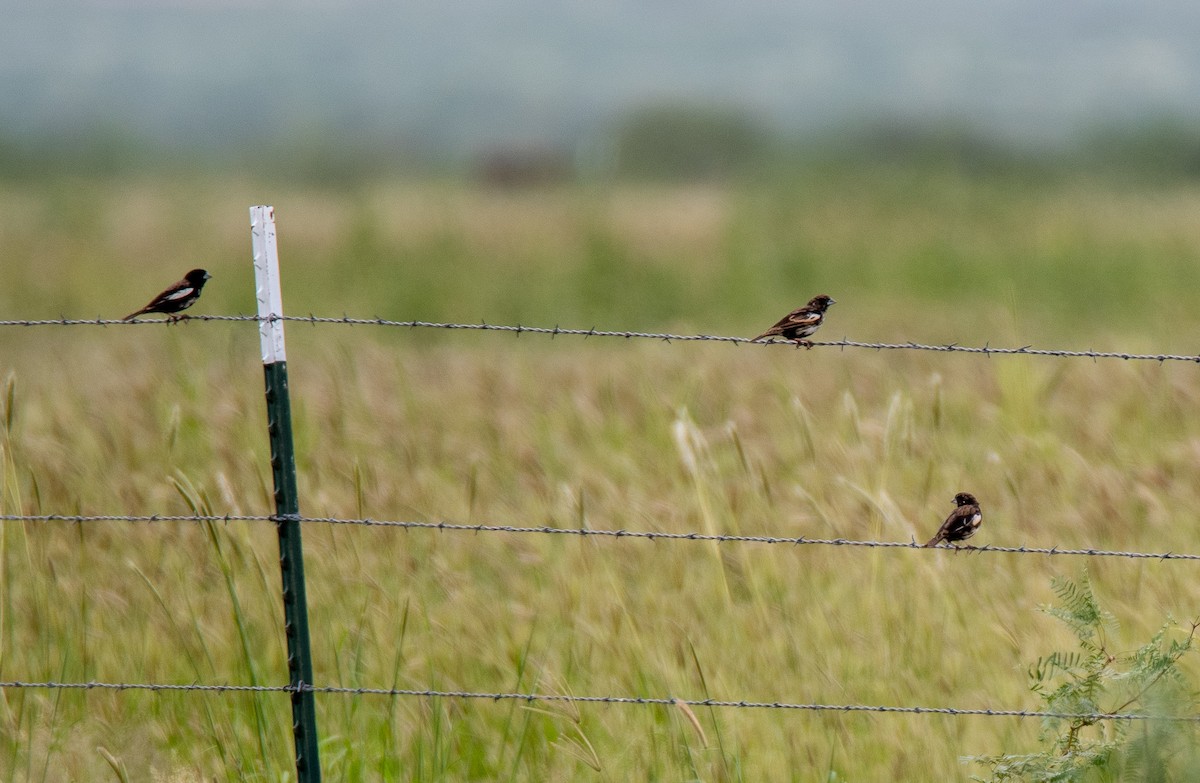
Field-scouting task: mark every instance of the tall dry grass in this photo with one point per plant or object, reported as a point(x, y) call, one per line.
point(531, 431)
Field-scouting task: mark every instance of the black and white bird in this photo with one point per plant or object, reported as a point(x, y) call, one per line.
point(962, 522)
point(801, 322)
point(177, 298)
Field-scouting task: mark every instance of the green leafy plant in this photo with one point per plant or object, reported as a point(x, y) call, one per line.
point(1080, 687)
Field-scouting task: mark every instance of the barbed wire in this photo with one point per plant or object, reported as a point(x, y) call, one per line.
point(518, 329)
point(634, 700)
point(648, 535)
point(148, 686)
point(98, 321)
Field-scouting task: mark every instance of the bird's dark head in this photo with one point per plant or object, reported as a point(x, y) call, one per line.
point(965, 499)
point(821, 303)
point(197, 277)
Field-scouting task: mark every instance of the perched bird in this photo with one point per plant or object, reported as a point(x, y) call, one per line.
point(800, 323)
point(177, 298)
point(962, 522)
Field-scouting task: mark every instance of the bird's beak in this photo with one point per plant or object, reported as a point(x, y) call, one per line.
point(832, 301)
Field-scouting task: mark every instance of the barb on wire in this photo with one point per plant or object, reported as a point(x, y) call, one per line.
point(636, 700)
point(647, 535)
point(555, 331)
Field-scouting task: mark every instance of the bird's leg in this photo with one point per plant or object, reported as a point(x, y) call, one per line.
point(805, 343)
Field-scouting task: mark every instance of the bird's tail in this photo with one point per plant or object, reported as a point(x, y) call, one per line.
point(134, 314)
point(934, 541)
point(768, 333)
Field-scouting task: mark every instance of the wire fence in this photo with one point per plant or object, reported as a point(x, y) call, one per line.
point(668, 701)
point(620, 534)
point(612, 534)
point(555, 331)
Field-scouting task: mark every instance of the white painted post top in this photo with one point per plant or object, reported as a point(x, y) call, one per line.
point(266, 279)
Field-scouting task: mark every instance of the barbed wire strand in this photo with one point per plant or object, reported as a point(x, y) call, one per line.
point(648, 535)
point(544, 697)
point(984, 350)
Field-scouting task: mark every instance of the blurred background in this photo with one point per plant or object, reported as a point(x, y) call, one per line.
point(532, 89)
point(714, 162)
point(706, 164)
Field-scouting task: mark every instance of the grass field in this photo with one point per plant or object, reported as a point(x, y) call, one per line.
point(489, 428)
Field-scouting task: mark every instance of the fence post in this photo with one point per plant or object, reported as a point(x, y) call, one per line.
point(287, 503)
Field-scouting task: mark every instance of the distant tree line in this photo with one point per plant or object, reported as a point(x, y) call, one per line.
point(667, 142)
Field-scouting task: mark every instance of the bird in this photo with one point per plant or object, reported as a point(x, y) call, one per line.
point(962, 523)
point(801, 322)
point(177, 298)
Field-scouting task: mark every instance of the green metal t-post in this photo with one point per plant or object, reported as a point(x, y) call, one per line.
point(287, 502)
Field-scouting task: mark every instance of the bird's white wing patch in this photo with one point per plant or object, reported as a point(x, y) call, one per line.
point(182, 293)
